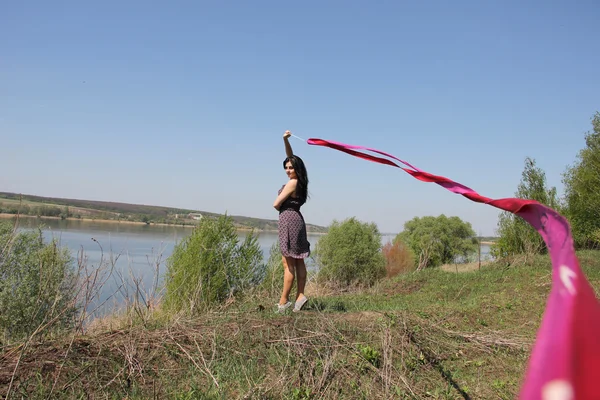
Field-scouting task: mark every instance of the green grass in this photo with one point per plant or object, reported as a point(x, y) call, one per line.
point(431, 334)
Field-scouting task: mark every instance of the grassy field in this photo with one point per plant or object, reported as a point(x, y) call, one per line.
point(434, 334)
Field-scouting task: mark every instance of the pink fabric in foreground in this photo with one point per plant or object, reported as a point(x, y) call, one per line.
point(565, 361)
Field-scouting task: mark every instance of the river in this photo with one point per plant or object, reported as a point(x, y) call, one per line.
point(132, 257)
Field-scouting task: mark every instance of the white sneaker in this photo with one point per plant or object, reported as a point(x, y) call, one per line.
point(299, 304)
point(281, 308)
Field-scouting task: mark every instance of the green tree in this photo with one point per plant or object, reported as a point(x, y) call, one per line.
point(210, 265)
point(582, 190)
point(350, 253)
point(65, 213)
point(48, 211)
point(438, 240)
point(37, 284)
point(516, 236)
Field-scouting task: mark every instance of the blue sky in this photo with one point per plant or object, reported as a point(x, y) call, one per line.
point(184, 104)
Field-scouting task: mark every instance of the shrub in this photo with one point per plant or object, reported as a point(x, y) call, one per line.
point(399, 258)
point(210, 265)
point(273, 281)
point(37, 284)
point(350, 253)
point(438, 240)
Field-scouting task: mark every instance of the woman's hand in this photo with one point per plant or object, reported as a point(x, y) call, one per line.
point(287, 134)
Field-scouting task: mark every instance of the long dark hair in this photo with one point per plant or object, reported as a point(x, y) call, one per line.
point(300, 169)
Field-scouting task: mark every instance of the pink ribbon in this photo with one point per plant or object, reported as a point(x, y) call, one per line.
point(565, 361)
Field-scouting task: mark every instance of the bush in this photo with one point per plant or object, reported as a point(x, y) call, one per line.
point(273, 281)
point(37, 284)
point(438, 240)
point(210, 265)
point(350, 253)
point(399, 258)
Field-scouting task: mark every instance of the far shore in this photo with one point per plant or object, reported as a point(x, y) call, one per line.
point(112, 221)
point(104, 221)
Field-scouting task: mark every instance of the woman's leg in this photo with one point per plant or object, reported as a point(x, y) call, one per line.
point(289, 272)
point(301, 274)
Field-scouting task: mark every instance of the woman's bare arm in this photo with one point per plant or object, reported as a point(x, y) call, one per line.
point(288, 146)
point(287, 191)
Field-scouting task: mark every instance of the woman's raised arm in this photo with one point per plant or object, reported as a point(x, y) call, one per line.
point(288, 146)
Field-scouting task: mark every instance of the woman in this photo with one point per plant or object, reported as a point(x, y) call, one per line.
point(292, 229)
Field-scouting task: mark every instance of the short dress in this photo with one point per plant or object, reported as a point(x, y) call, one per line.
point(292, 229)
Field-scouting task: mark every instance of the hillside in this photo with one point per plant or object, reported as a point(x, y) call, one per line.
point(13, 203)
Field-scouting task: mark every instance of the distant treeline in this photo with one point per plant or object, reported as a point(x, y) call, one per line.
point(45, 210)
point(25, 209)
point(73, 208)
point(112, 207)
point(487, 238)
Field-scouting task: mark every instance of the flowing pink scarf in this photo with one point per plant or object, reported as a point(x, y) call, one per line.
point(565, 361)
